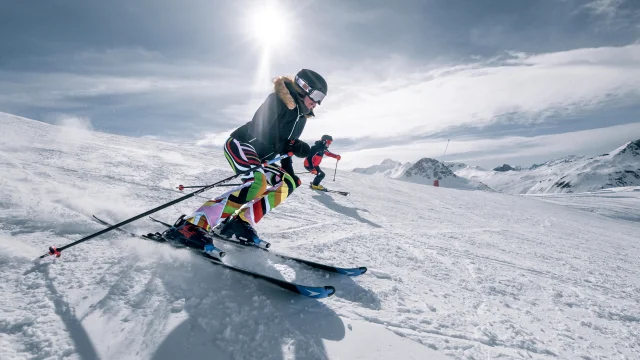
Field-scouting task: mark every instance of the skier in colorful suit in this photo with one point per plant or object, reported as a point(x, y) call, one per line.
point(274, 130)
point(313, 160)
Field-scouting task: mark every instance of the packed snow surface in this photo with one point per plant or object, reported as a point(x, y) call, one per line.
point(454, 274)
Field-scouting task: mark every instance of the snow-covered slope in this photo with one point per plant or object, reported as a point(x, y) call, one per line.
point(388, 168)
point(571, 174)
point(453, 274)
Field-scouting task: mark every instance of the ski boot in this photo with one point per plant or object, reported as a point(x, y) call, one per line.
point(318, 187)
point(235, 228)
point(184, 233)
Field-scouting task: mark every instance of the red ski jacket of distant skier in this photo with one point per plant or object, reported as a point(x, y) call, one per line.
point(318, 150)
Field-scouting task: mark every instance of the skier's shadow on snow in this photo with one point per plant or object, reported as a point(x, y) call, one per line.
point(330, 203)
point(83, 345)
point(233, 316)
point(347, 288)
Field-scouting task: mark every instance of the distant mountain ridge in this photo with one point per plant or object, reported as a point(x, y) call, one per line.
point(620, 167)
point(424, 171)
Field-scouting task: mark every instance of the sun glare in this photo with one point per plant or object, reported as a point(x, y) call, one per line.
point(268, 25)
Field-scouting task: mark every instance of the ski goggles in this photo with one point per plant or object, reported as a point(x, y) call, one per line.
point(315, 95)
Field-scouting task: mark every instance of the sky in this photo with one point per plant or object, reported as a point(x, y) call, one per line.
point(490, 81)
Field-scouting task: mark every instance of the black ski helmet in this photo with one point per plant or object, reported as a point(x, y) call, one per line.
point(313, 84)
point(326, 137)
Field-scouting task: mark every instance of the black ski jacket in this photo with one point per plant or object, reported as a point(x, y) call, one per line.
point(278, 122)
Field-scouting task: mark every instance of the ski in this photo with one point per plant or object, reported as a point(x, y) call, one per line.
point(344, 193)
point(355, 271)
point(314, 292)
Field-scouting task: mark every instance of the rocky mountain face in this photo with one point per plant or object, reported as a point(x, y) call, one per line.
point(505, 167)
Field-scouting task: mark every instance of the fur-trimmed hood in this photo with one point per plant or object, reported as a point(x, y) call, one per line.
point(278, 122)
point(283, 85)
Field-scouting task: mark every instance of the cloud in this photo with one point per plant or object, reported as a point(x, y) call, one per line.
point(606, 8)
point(517, 150)
point(379, 109)
point(44, 89)
point(613, 15)
point(114, 71)
point(128, 90)
point(522, 89)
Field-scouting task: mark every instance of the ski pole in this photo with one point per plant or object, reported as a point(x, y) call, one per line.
point(335, 171)
point(56, 251)
point(182, 187)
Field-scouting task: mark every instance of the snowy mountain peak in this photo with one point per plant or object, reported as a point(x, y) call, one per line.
point(423, 172)
point(428, 168)
point(504, 167)
point(631, 148)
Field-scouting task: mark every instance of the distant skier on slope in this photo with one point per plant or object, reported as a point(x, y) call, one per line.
point(274, 130)
point(313, 160)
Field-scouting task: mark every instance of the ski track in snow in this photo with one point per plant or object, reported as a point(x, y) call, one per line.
point(454, 274)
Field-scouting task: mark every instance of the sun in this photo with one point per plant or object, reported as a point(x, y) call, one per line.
point(268, 25)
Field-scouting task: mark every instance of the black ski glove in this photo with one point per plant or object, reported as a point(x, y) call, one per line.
point(297, 180)
point(300, 148)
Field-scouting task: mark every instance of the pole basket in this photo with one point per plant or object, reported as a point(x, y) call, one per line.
point(53, 251)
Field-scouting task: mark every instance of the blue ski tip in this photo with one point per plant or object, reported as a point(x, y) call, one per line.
point(261, 243)
point(316, 292)
point(352, 272)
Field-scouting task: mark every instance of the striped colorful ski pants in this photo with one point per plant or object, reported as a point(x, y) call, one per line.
point(262, 190)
